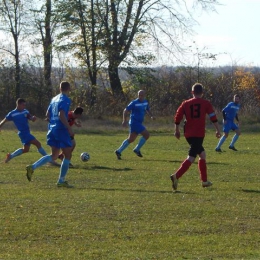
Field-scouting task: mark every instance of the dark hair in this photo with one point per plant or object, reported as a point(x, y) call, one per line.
point(20, 101)
point(197, 88)
point(236, 95)
point(64, 85)
point(78, 111)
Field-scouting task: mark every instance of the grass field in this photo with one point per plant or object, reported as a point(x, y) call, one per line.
point(126, 209)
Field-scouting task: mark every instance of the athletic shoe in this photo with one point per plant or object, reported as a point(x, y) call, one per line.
point(118, 155)
point(206, 184)
point(218, 150)
point(232, 148)
point(8, 158)
point(29, 173)
point(174, 182)
point(138, 153)
point(64, 184)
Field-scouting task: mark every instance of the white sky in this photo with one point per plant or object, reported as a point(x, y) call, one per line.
point(232, 30)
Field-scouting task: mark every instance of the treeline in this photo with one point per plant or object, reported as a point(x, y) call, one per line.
point(166, 88)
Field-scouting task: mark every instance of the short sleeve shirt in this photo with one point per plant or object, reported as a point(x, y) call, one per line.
point(195, 111)
point(58, 103)
point(138, 110)
point(20, 119)
point(231, 110)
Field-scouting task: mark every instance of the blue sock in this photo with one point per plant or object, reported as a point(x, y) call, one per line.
point(42, 151)
point(45, 159)
point(221, 141)
point(140, 144)
point(16, 153)
point(123, 146)
point(234, 139)
point(64, 169)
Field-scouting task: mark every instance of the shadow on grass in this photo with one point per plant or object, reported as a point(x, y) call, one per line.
point(110, 168)
point(140, 190)
point(251, 191)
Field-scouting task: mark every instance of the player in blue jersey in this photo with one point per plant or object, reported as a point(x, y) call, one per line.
point(137, 110)
point(229, 115)
point(20, 117)
point(58, 136)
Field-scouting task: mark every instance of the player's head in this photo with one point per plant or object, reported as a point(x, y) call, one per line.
point(78, 111)
point(197, 89)
point(20, 103)
point(236, 98)
point(141, 95)
point(64, 86)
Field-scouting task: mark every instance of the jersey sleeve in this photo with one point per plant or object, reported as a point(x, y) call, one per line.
point(130, 106)
point(212, 114)
point(179, 114)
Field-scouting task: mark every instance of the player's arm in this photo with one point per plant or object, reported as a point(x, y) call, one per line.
point(47, 116)
point(31, 117)
point(3, 122)
point(125, 114)
point(214, 120)
point(177, 120)
point(77, 123)
point(148, 111)
point(65, 122)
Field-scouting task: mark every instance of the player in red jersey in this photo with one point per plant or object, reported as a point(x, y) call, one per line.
point(194, 110)
point(73, 120)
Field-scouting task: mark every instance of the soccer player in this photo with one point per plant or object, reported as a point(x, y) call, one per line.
point(138, 108)
point(73, 117)
point(229, 115)
point(20, 117)
point(195, 111)
point(58, 136)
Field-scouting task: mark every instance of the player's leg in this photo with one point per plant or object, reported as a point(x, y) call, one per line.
point(131, 138)
point(145, 136)
point(226, 129)
point(235, 138)
point(26, 139)
point(39, 146)
point(221, 141)
point(64, 166)
point(185, 164)
point(65, 145)
point(16, 153)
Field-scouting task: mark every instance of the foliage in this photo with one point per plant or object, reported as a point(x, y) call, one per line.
point(126, 209)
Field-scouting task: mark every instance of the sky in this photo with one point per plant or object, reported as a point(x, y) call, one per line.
point(232, 32)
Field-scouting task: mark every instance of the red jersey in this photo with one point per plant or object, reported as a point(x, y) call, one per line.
point(71, 119)
point(195, 111)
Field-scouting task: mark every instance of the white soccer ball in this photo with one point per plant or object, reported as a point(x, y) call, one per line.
point(84, 157)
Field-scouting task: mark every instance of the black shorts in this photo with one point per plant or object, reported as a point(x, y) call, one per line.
point(196, 145)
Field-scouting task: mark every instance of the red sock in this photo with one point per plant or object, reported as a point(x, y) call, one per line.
point(184, 167)
point(203, 169)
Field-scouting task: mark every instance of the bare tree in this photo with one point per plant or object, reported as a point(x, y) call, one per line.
point(12, 17)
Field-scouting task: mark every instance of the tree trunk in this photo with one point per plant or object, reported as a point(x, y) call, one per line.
point(115, 82)
point(17, 69)
point(47, 49)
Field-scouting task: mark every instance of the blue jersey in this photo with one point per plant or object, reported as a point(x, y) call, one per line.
point(20, 119)
point(138, 110)
point(231, 110)
point(58, 103)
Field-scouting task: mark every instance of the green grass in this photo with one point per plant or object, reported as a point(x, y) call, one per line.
point(126, 209)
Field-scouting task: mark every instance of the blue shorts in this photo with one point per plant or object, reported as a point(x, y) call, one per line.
point(26, 138)
point(136, 128)
point(230, 125)
point(59, 138)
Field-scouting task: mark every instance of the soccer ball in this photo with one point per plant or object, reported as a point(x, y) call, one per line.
point(84, 157)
